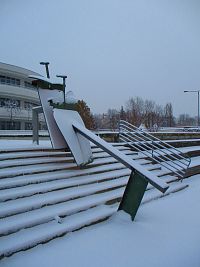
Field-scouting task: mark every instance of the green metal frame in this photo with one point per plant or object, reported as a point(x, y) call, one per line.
point(133, 194)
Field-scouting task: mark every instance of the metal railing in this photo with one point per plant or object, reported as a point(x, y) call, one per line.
point(121, 157)
point(159, 151)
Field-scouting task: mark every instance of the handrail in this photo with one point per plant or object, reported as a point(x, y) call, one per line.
point(124, 159)
point(161, 152)
point(171, 167)
point(155, 151)
point(161, 143)
point(165, 145)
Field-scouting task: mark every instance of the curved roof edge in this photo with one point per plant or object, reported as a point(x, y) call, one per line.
point(17, 69)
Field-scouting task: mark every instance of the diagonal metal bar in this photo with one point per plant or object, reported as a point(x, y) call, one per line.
point(125, 160)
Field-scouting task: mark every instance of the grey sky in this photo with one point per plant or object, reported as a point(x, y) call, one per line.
point(110, 49)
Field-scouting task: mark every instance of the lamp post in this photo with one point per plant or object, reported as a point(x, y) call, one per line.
point(64, 77)
point(195, 91)
point(47, 68)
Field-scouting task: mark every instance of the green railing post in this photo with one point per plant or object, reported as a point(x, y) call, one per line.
point(133, 194)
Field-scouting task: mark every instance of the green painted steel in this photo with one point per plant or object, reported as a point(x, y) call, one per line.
point(133, 194)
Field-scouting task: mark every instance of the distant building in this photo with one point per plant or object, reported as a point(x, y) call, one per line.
point(17, 97)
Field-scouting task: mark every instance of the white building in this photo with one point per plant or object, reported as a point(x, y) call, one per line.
point(17, 97)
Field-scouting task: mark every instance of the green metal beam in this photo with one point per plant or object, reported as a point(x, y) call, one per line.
point(47, 85)
point(133, 194)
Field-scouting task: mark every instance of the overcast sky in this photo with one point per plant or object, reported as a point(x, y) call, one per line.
point(111, 50)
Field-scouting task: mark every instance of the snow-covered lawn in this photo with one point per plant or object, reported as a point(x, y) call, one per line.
point(166, 233)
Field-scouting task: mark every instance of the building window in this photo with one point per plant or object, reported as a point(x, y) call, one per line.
point(10, 125)
point(28, 126)
point(29, 105)
point(2, 79)
point(28, 84)
point(3, 102)
point(9, 103)
point(9, 80)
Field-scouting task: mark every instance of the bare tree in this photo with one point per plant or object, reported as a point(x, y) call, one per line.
point(168, 113)
point(135, 110)
point(113, 116)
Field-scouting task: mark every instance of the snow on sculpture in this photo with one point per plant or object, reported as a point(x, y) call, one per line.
point(59, 116)
point(79, 145)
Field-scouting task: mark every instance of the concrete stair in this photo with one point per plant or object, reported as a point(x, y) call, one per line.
point(43, 194)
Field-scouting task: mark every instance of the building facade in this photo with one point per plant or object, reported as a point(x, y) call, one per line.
point(17, 98)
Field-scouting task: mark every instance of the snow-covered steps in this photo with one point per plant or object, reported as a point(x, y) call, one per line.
point(45, 232)
point(32, 154)
point(50, 198)
point(33, 161)
point(42, 198)
point(47, 213)
point(60, 175)
point(154, 194)
point(43, 226)
point(30, 190)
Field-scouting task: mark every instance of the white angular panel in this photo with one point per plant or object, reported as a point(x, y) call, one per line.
point(56, 136)
point(79, 145)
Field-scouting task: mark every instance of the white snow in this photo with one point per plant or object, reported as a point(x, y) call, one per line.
point(15, 144)
point(165, 233)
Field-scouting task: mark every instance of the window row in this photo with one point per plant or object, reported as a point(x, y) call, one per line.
point(9, 103)
point(16, 125)
point(9, 80)
point(10, 125)
point(14, 81)
point(12, 103)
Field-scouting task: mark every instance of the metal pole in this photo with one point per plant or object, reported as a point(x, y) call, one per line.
point(35, 122)
point(198, 108)
point(64, 77)
point(64, 84)
point(195, 91)
point(46, 67)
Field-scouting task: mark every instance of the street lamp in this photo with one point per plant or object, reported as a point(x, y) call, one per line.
point(195, 91)
point(47, 68)
point(64, 77)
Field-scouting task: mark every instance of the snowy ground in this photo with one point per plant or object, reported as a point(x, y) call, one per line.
point(166, 233)
point(14, 144)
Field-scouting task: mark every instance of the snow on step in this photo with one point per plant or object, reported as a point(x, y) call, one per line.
point(155, 194)
point(167, 179)
point(28, 219)
point(25, 149)
point(42, 157)
point(45, 214)
point(32, 161)
point(195, 161)
point(30, 237)
point(57, 175)
point(161, 172)
point(41, 188)
point(119, 146)
point(32, 154)
point(42, 160)
point(34, 168)
point(49, 167)
point(105, 154)
point(28, 203)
